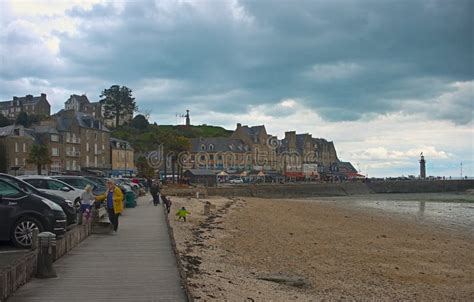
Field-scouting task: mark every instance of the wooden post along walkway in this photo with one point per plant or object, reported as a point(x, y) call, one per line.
point(135, 264)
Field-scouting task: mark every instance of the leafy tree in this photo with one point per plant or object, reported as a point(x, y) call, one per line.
point(39, 156)
point(4, 121)
point(22, 119)
point(144, 169)
point(118, 103)
point(140, 122)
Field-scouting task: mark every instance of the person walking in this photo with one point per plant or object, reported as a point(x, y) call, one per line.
point(167, 202)
point(114, 200)
point(87, 198)
point(155, 193)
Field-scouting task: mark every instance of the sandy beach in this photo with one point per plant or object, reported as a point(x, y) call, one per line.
point(310, 250)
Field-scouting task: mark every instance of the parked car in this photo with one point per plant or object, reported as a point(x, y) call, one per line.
point(236, 181)
point(65, 204)
point(80, 182)
point(56, 187)
point(21, 213)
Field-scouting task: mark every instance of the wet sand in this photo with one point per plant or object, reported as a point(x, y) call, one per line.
point(320, 249)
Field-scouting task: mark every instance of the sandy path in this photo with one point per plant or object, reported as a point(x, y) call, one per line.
point(337, 251)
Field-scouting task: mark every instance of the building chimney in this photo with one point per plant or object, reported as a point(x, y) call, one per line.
point(290, 137)
point(15, 98)
point(239, 125)
point(29, 96)
point(43, 95)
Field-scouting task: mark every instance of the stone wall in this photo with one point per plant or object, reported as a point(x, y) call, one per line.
point(341, 189)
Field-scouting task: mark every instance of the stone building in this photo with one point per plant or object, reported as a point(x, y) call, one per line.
point(37, 105)
point(122, 157)
point(219, 153)
point(81, 103)
point(77, 142)
point(15, 145)
point(253, 149)
point(47, 133)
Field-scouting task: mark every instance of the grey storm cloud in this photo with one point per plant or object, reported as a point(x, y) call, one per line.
point(345, 59)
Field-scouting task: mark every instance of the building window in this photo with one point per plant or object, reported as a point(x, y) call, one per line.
point(87, 147)
point(87, 160)
point(54, 151)
point(54, 138)
point(16, 147)
point(68, 137)
point(24, 161)
point(103, 147)
point(24, 147)
point(16, 161)
point(203, 147)
point(211, 147)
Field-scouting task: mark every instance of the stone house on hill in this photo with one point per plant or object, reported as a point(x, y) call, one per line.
point(37, 105)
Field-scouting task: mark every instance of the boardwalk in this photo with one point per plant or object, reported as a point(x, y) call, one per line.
point(136, 264)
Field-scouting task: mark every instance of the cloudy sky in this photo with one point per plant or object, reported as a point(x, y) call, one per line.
point(384, 80)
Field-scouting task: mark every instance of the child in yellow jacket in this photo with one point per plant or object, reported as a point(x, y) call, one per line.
point(182, 213)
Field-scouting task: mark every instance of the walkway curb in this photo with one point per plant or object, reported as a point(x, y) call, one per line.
point(182, 271)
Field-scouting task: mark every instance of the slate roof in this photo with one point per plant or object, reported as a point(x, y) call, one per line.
point(253, 132)
point(221, 144)
point(114, 141)
point(84, 120)
point(8, 131)
point(26, 100)
point(82, 99)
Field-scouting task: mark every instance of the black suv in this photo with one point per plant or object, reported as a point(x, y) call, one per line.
point(21, 213)
point(66, 205)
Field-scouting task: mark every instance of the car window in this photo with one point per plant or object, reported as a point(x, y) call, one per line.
point(19, 184)
point(37, 183)
point(70, 181)
point(54, 185)
point(8, 190)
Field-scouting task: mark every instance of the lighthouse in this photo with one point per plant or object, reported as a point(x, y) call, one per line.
point(422, 166)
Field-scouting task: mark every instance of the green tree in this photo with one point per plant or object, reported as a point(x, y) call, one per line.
point(22, 119)
point(118, 103)
point(144, 169)
point(140, 122)
point(4, 121)
point(39, 156)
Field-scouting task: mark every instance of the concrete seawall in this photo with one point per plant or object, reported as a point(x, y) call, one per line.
point(341, 189)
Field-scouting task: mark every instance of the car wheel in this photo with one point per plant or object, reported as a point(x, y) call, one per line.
point(22, 233)
point(77, 204)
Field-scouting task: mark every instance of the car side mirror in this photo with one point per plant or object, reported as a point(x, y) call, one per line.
point(65, 189)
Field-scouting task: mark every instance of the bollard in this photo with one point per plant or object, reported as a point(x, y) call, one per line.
point(34, 239)
point(46, 242)
point(207, 208)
